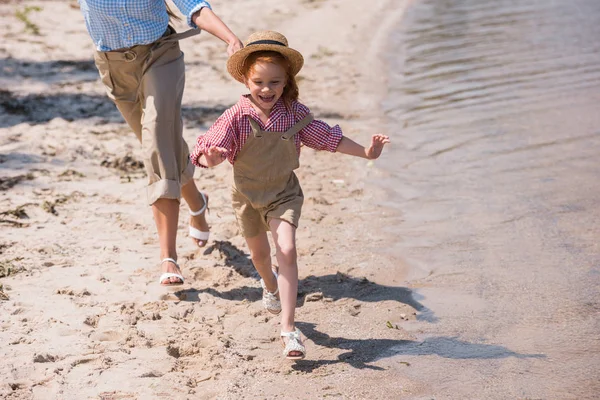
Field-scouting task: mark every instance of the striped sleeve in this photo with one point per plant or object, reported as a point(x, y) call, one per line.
point(318, 135)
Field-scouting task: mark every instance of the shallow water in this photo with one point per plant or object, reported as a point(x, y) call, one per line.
point(494, 110)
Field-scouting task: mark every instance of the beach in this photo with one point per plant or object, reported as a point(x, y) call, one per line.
point(462, 264)
point(82, 314)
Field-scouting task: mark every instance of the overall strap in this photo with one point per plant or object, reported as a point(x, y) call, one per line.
point(256, 131)
point(298, 127)
point(179, 36)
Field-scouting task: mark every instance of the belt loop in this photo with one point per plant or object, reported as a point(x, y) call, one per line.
point(129, 56)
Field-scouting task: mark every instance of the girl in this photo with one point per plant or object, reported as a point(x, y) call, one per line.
point(261, 137)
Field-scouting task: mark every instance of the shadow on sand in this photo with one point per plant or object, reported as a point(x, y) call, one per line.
point(71, 103)
point(40, 108)
point(361, 352)
point(334, 286)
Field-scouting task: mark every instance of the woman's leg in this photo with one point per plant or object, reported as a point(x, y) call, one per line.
point(164, 152)
point(260, 252)
point(165, 86)
point(166, 212)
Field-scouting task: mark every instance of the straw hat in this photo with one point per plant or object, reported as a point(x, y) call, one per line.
point(262, 41)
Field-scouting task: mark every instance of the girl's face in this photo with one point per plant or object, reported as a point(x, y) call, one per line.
point(266, 82)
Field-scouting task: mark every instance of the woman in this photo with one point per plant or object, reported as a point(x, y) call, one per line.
point(142, 69)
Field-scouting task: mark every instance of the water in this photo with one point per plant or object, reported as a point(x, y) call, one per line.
point(495, 177)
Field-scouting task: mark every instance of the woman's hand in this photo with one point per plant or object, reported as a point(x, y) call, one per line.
point(214, 156)
point(377, 143)
point(234, 45)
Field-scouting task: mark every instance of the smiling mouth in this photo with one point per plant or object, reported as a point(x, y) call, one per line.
point(267, 99)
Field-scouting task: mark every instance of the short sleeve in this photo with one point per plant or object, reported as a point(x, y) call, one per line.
point(189, 7)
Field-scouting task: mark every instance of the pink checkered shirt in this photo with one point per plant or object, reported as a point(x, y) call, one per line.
point(232, 128)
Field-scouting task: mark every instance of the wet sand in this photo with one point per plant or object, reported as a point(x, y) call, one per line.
point(495, 187)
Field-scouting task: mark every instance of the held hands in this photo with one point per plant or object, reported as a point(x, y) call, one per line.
point(377, 143)
point(214, 156)
point(233, 46)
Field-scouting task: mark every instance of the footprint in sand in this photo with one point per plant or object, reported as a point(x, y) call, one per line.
point(108, 336)
point(202, 274)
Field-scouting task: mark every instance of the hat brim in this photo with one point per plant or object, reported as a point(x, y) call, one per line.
point(237, 59)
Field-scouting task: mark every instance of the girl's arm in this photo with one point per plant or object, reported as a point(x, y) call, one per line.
point(208, 21)
point(216, 144)
point(319, 135)
point(350, 147)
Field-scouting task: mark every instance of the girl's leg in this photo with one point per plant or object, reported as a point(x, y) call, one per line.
point(260, 252)
point(284, 236)
point(192, 196)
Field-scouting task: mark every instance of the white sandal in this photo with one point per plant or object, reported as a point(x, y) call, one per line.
point(269, 300)
point(168, 275)
point(294, 344)
point(197, 233)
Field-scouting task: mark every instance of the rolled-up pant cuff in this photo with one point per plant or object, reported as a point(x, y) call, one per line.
point(167, 188)
point(163, 189)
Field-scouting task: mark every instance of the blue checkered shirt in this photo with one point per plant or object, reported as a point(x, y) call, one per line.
point(116, 24)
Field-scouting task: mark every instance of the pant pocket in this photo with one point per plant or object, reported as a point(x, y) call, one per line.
point(104, 71)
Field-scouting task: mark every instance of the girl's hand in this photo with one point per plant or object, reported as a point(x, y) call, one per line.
point(214, 156)
point(377, 143)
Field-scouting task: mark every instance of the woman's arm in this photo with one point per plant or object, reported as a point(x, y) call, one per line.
point(207, 20)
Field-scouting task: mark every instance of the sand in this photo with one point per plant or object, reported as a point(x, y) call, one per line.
point(81, 312)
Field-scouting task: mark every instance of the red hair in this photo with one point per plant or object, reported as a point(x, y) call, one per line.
point(290, 91)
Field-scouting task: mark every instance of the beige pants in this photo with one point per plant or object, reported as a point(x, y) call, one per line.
point(146, 84)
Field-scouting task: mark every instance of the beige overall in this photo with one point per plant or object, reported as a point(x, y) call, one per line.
point(264, 183)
